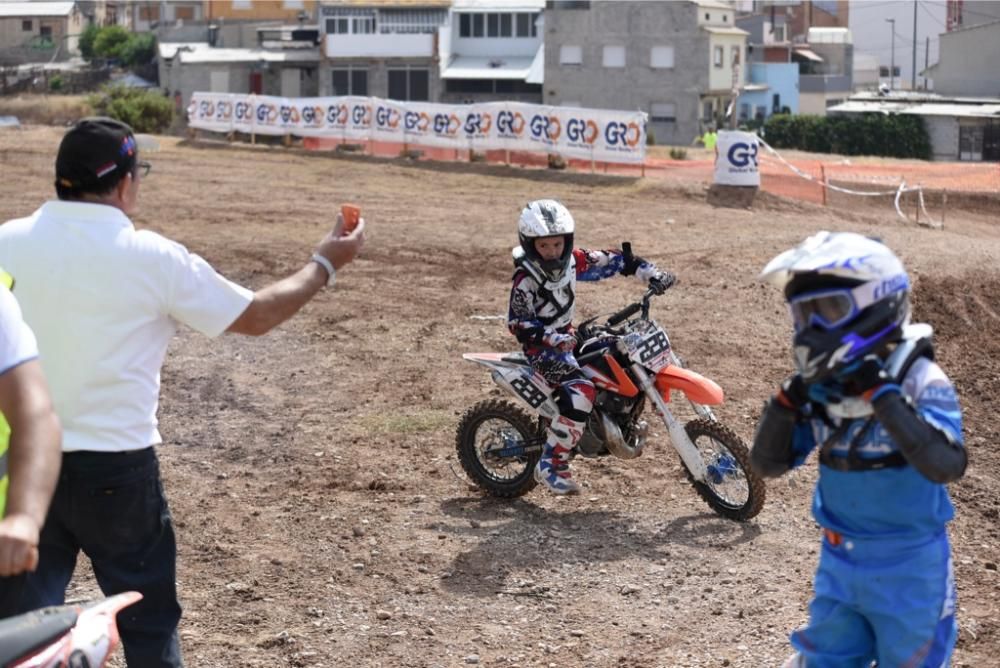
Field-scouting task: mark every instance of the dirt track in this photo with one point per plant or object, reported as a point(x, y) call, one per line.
point(310, 472)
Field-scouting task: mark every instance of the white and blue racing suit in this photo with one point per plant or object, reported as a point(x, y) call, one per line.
point(884, 590)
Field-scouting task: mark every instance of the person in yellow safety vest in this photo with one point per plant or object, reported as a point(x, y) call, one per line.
point(30, 450)
point(709, 139)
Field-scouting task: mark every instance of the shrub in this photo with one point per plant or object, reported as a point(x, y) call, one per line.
point(650, 137)
point(897, 135)
point(145, 110)
point(56, 83)
point(140, 49)
point(678, 153)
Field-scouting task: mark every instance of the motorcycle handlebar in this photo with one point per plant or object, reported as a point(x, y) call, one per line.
point(631, 309)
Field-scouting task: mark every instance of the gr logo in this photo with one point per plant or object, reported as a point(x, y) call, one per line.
point(510, 123)
point(445, 124)
point(617, 133)
point(416, 121)
point(312, 115)
point(224, 110)
point(386, 117)
point(580, 130)
point(742, 154)
point(206, 109)
point(476, 123)
point(267, 113)
point(289, 114)
point(361, 115)
point(244, 111)
point(336, 114)
point(547, 127)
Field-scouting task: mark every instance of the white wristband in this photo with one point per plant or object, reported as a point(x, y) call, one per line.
point(327, 265)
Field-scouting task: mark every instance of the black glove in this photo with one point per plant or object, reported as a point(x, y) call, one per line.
point(794, 392)
point(632, 262)
point(661, 281)
point(866, 374)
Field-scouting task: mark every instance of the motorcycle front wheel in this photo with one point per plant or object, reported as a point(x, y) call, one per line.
point(498, 445)
point(732, 489)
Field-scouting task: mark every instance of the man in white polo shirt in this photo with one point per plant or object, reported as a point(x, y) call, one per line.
point(104, 300)
point(29, 449)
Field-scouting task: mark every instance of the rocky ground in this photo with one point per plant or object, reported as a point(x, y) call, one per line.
point(322, 517)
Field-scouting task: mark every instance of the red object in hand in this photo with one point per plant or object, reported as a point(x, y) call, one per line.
point(351, 214)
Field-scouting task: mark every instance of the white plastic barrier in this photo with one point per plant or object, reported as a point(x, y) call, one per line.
point(736, 159)
point(588, 134)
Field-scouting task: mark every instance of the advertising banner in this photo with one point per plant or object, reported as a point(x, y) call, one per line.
point(585, 134)
point(736, 159)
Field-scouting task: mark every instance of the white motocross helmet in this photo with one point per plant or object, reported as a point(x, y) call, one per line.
point(848, 295)
point(545, 218)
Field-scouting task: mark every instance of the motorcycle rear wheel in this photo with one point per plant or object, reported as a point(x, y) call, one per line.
point(491, 426)
point(733, 490)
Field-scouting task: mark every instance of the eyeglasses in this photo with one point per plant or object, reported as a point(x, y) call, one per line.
point(143, 167)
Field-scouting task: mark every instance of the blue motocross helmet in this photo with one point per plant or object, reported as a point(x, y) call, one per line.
point(848, 296)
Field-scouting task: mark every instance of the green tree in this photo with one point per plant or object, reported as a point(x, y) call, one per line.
point(138, 50)
point(87, 38)
point(111, 41)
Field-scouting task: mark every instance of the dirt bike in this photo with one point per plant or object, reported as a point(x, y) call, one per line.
point(66, 636)
point(630, 361)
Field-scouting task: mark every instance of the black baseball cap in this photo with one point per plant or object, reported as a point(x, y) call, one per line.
point(95, 153)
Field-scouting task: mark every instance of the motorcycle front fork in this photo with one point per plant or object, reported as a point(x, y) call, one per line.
point(678, 436)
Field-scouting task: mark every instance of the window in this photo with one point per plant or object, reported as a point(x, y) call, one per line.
point(45, 31)
point(708, 111)
point(570, 55)
point(779, 33)
point(661, 57)
point(614, 56)
point(719, 56)
point(147, 13)
point(293, 4)
point(776, 104)
point(708, 17)
point(338, 26)
point(182, 13)
point(734, 54)
point(524, 25)
point(663, 112)
point(465, 25)
point(478, 28)
point(409, 85)
point(363, 26)
point(350, 81)
point(492, 25)
point(744, 112)
point(506, 29)
point(883, 71)
point(28, 25)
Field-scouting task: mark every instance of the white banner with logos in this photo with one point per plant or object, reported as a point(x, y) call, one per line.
point(586, 134)
point(736, 159)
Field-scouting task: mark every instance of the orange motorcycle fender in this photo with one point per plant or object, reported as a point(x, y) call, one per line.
point(696, 387)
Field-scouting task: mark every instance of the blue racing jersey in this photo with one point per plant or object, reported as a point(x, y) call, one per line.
point(892, 502)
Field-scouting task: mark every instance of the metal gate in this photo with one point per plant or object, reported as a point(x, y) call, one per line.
point(991, 141)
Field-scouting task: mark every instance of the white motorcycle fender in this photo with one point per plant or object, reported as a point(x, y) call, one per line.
point(519, 380)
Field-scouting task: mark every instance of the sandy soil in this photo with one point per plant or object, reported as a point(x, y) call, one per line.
point(312, 475)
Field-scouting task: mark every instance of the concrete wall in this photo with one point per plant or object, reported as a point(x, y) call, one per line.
point(782, 80)
point(638, 26)
point(968, 65)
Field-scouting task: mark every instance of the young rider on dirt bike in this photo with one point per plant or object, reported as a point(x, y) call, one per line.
point(541, 314)
point(888, 427)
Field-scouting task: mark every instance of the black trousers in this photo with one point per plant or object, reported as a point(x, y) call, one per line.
point(112, 507)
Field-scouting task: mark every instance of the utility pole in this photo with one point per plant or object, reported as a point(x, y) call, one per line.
point(913, 74)
point(927, 59)
point(892, 56)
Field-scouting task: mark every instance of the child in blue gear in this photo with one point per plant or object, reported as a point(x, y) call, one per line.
point(540, 315)
point(888, 427)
